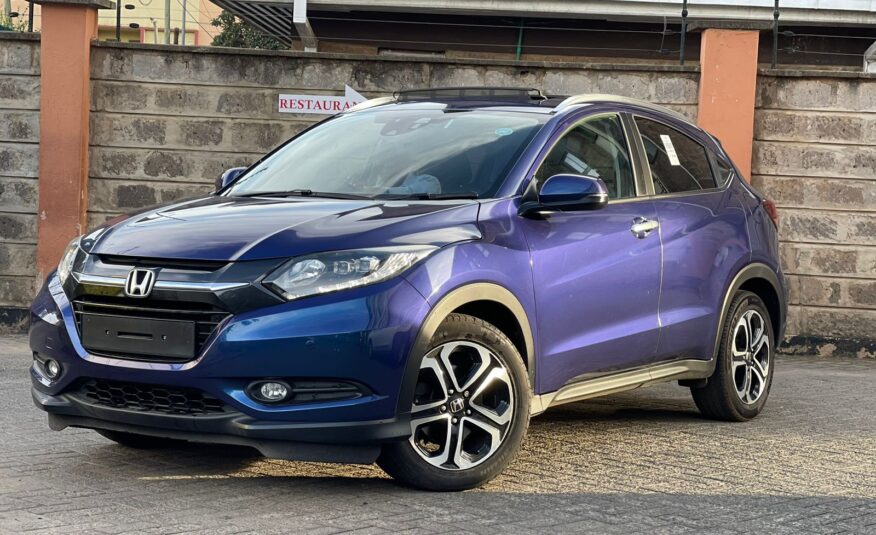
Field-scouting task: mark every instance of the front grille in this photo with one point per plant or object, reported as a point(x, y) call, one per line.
point(150, 398)
point(183, 265)
point(205, 317)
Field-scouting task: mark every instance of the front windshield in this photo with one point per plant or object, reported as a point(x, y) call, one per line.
point(426, 153)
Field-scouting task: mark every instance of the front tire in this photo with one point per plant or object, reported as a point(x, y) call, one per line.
point(739, 388)
point(470, 410)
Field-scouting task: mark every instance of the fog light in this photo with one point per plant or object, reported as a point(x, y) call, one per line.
point(53, 369)
point(272, 391)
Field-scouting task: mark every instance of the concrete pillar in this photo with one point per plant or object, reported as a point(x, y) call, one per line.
point(728, 79)
point(68, 27)
point(870, 59)
point(302, 26)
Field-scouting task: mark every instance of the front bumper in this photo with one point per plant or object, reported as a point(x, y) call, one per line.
point(362, 335)
point(342, 442)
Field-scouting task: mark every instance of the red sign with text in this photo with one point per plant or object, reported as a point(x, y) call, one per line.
point(320, 104)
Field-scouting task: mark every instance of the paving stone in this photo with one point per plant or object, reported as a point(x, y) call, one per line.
point(639, 462)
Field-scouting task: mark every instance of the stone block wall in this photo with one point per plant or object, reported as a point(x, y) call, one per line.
point(19, 162)
point(815, 155)
point(166, 122)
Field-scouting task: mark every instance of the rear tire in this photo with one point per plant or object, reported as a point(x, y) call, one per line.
point(740, 385)
point(139, 442)
point(470, 410)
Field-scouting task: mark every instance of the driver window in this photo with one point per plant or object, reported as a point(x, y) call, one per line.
point(595, 148)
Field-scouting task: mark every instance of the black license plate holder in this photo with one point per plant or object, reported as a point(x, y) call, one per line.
point(173, 339)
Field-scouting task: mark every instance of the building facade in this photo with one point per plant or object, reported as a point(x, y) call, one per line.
point(143, 21)
point(813, 32)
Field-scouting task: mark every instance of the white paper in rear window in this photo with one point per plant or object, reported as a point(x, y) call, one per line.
point(670, 149)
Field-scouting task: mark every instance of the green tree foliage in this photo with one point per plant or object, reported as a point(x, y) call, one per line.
point(239, 34)
point(17, 24)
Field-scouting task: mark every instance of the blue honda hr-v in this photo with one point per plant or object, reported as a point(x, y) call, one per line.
point(408, 282)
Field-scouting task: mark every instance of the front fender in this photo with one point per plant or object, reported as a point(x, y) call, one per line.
point(478, 291)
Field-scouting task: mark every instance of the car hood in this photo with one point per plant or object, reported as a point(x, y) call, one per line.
point(244, 228)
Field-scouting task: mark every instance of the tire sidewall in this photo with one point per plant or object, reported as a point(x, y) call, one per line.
point(745, 302)
point(400, 459)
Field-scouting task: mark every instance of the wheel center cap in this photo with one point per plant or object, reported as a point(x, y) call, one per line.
point(456, 405)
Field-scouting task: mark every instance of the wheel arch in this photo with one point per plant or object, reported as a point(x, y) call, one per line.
point(770, 296)
point(503, 318)
point(490, 302)
point(761, 280)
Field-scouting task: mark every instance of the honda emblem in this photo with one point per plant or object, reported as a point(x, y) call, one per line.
point(139, 283)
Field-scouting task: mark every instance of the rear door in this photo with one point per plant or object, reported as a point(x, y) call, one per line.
point(703, 233)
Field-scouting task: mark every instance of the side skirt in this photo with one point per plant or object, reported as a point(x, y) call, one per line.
point(619, 382)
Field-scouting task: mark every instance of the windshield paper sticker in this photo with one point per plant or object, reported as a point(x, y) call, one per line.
point(504, 131)
point(670, 149)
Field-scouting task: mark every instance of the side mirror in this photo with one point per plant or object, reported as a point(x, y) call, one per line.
point(568, 193)
point(228, 177)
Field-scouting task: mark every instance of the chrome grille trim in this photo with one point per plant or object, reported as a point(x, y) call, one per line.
point(119, 282)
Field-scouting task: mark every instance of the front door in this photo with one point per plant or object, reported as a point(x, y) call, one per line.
point(597, 273)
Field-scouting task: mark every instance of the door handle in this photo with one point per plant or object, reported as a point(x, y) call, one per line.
point(643, 226)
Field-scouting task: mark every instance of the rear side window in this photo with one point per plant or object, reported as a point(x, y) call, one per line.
point(723, 170)
point(678, 163)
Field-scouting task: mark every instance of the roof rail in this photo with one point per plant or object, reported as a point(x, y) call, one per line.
point(591, 98)
point(370, 103)
point(492, 94)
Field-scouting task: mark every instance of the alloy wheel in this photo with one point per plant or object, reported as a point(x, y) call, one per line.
point(463, 406)
point(751, 357)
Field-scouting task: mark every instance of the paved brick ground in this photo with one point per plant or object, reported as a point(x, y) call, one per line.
point(638, 462)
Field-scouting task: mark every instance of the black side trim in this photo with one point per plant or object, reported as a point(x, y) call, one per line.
point(644, 181)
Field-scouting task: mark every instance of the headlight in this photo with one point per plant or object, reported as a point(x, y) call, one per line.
point(329, 272)
point(65, 266)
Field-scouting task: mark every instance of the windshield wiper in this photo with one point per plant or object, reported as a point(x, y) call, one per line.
point(427, 196)
point(305, 193)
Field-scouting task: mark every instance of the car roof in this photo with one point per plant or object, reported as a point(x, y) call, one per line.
point(508, 99)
